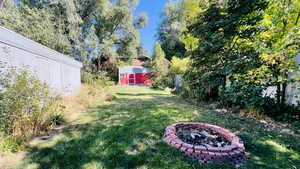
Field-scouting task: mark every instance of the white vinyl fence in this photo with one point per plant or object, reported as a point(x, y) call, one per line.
point(60, 72)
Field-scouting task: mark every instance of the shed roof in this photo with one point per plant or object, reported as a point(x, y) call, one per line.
point(134, 69)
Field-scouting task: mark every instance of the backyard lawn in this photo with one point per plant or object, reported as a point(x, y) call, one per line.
point(127, 133)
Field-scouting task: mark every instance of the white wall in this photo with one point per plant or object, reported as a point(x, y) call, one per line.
point(61, 72)
point(293, 90)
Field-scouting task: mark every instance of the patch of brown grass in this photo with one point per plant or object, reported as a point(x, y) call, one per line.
point(88, 96)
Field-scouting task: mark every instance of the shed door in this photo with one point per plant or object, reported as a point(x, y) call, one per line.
point(131, 79)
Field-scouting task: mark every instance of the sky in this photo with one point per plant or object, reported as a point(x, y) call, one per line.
point(153, 8)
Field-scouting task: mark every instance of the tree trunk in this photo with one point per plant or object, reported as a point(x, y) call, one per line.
point(283, 92)
point(278, 93)
point(284, 86)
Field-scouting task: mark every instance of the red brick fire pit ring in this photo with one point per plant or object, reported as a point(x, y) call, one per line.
point(233, 153)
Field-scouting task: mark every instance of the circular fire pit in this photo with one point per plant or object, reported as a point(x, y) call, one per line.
point(205, 142)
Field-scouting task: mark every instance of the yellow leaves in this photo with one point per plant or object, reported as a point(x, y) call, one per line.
point(179, 66)
point(280, 79)
point(276, 58)
point(268, 58)
point(190, 42)
point(267, 19)
point(192, 9)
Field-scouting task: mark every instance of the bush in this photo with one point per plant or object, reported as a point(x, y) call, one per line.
point(99, 78)
point(200, 85)
point(160, 69)
point(162, 82)
point(26, 105)
point(247, 95)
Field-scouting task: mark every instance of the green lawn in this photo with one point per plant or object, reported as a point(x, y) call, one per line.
point(127, 133)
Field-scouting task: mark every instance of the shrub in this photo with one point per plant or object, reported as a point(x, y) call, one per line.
point(162, 82)
point(201, 85)
point(247, 95)
point(25, 105)
point(160, 69)
point(99, 78)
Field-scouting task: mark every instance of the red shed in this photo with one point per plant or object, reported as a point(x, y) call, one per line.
point(134, 75)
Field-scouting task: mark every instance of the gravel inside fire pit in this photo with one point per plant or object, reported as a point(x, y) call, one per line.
point(201, 137)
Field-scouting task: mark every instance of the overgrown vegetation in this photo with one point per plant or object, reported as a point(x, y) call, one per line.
point(27, 108)
point(99, 78)
point(238, 49)
point(164, 71)
point(127, 133)
point(161, 69)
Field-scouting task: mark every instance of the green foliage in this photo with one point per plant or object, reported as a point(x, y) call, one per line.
point(170, 30)
point(173, 34)
point(236, 40)
point(116, 28)
point(84, 29)
point(247, 95)
point(162, 82)
point(26, 105)
point(161, 68)
point(192, 8)
point(279, 44)
point(55, 119)
point(99, 78)
point(160, 64)
point(38, 25)
point(6, 4)
point(179, 66)
point(225, 36)
point(10, 144)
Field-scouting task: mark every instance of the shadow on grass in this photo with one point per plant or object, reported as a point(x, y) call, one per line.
point(128, 132)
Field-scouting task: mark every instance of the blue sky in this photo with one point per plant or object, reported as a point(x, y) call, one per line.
point(153, 8)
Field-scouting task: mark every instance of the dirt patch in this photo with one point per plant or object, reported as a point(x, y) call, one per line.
point(8, 161)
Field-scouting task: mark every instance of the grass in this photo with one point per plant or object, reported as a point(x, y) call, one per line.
point(127, 133)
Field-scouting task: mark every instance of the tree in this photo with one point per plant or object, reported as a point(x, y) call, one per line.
point(38, 25)
point(279, 44)
point(225, 47)
point(173, 34)
point(6, 4)
point(170, 30)
point(160, 63)
point(192, 8)
point(116, 30)
point(141, 21)
point(179, 66)
point(93, 31)
point(160, 67)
